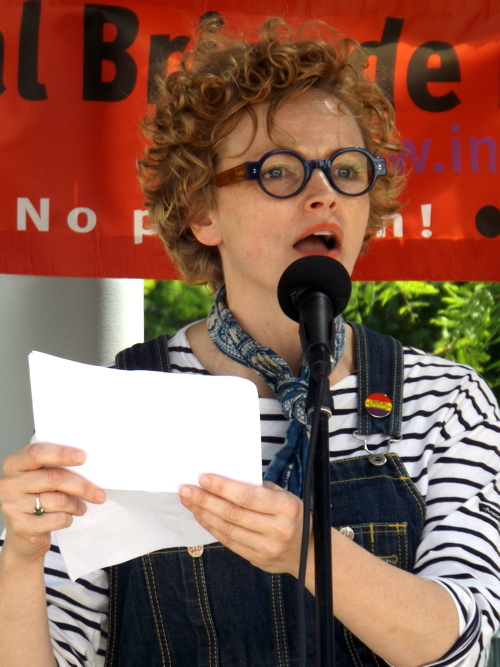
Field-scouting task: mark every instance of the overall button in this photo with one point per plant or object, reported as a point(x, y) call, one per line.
point(347, 531)
point(195, 552)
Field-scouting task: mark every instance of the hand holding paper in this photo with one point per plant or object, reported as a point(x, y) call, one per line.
point(145, 434)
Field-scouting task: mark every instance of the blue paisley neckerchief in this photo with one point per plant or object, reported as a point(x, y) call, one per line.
point(288, 466)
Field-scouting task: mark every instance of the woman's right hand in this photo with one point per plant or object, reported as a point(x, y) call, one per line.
point(35, 471)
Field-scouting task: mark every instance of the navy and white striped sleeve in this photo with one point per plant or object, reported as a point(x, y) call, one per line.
point(460, 475)
point(77, 613)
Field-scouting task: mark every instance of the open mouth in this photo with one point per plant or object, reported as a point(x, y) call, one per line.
point(327, 238)
point(318, 241)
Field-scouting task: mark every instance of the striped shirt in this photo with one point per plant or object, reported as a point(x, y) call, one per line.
point(451, 448)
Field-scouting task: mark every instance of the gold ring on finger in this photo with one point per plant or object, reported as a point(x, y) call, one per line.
point(38, 511)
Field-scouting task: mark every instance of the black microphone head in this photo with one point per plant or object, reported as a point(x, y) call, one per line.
point(316, 273)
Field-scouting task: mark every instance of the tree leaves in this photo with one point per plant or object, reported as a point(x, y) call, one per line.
point(459, 321)
point(170, 304)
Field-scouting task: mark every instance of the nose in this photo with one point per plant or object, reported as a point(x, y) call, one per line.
point(319, 193)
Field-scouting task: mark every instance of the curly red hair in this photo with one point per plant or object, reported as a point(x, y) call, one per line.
point(203, 100)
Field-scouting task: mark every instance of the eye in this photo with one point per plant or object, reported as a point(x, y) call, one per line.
point(281, 171)
point(347, 172)
point(281, 174)
point(275, 173)
point(281, 166)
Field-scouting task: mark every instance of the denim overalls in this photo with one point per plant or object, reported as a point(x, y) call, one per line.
point(208, 607)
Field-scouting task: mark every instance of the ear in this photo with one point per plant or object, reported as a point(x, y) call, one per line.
point(206, 230)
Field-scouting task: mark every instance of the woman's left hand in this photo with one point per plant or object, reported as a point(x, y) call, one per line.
point(262, 524)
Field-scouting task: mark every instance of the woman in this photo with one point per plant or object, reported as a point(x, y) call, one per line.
point(276, 104)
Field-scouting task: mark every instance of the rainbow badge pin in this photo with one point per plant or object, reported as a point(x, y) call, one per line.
point(378, 405)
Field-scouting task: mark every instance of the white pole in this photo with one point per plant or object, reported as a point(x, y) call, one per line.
point(82, 319)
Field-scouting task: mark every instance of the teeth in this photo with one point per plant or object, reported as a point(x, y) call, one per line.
point(328, 238)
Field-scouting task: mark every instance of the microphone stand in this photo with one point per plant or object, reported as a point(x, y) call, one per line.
point(317, 340)
point(314, 291)
point(320, 399)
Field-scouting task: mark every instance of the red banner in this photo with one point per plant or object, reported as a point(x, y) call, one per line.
point(74, 80)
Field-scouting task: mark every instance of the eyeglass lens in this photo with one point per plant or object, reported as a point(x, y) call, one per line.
point(283, 174)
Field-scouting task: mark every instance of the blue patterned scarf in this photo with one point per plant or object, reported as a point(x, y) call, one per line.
point(288, 466)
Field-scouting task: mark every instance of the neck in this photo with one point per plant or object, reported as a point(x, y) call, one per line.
point(269, 326)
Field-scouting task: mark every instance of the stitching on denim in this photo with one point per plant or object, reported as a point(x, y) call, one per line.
point(201, 606)
point(400, 530)
point(352, 647)
point(160, 358)
point(279, 625)
point(365, 381)
point(396, 354)
point(394, 384)
point(113, 586)
point(285, 646)
point(411, 488)
point(276, 629)
point(203, 611)
point(362, 479)
point(397, 527)
point(164, 340)
point(201, 568)
point(403, 475)
point(153, 578)
point(404, 553)
point(399, 385)
point(359, 338)
point(398, 537)
point(146, 562)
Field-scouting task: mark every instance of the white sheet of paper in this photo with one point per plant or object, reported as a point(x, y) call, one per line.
point(145, 434)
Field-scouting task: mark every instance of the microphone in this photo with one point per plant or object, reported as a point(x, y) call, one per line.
point(313, 291)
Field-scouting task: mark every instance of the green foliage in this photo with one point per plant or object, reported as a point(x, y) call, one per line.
point(459, 321)
point(400, 309)
point(470, 327)
point(170, 304)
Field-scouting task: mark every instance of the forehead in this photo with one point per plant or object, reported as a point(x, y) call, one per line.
point(313, 121)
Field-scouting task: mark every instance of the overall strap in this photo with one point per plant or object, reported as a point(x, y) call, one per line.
point(380, 382)
point(149, 356)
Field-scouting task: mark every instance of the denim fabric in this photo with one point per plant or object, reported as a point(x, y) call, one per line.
point(387, 514)
point(381, 371)
point(217, 610)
